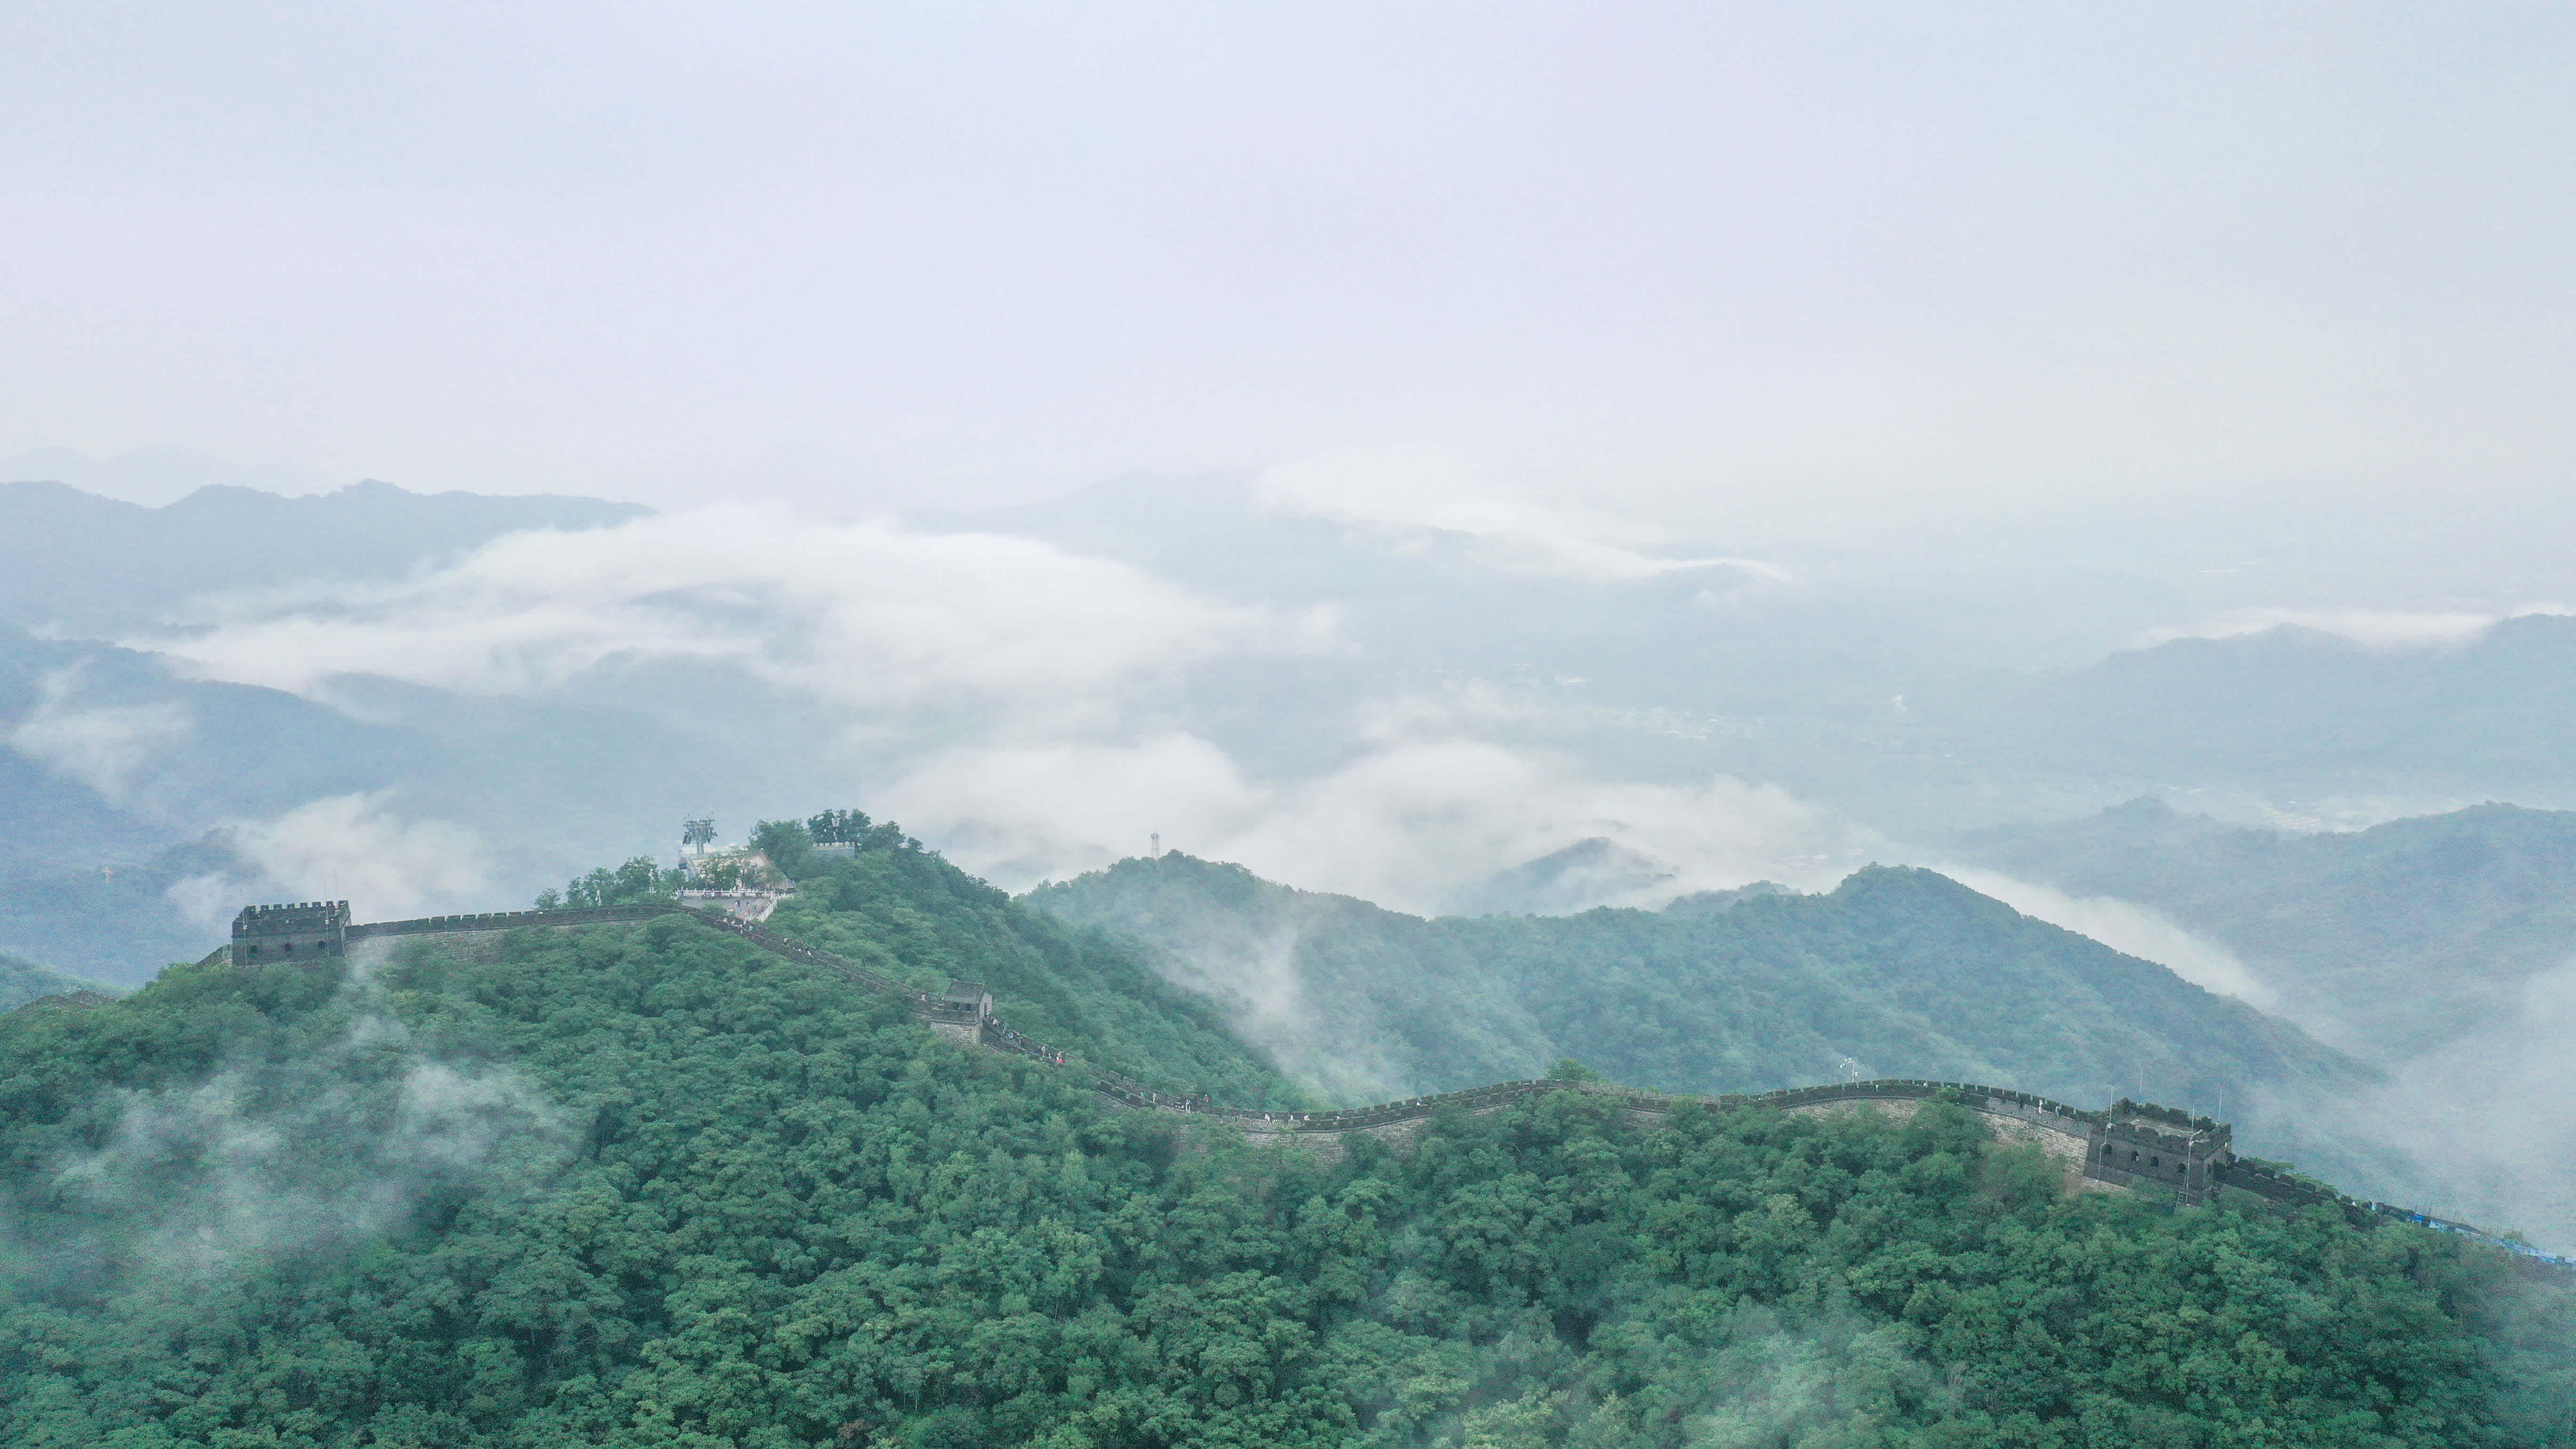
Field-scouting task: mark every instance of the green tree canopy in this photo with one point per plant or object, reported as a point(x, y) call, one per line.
point(649, 1185)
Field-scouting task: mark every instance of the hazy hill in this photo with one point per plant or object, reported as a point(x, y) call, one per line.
point(122, 923)
point(22, 981)
point(2294, 713)
point(122, 777)
point(2393, 940)
point(1914, 695)
point(648, 1185)
point(128, 752)
point(1580, 876)
point(1896, 973)
point(85, 565)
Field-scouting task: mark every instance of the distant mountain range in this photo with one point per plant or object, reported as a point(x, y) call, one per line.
point(143, 804)
point(1918, 694)
point(1878, 699)
point(2293, 714)
point(77, 564)
point(126, 782)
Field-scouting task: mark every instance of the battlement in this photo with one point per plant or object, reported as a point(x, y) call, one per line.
point(315, 931)
point(2174, 1117)
point(297, 915)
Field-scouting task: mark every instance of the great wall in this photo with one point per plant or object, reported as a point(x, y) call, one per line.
point(2128, 1145)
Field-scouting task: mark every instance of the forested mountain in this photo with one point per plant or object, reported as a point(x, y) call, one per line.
point(909, 914)
point(647, 1185)
point(1897, 972)
point(2392, 940)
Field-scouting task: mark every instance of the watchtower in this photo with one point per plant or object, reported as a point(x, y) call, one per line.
point(314, 931)
point(959, 1013)
point(2136, 1143)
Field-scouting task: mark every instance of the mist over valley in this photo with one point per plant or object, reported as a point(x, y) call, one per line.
point(1332, 727)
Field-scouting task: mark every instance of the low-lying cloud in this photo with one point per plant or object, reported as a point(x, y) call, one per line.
point(1009, 701)
point(2490, 1117)
point(107, 747)
point(353, 847)
point(863, 616)
point(222, 1176)
point(1405, 492)
point(312, 1152)
point(1411, 824)
point(2127, 927)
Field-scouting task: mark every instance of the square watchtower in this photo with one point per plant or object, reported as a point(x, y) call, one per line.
point(2138, 1143)
point(316, 931)
point(959, 1013)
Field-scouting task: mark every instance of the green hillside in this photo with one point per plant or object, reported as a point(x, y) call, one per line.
point(1896, 973)
point(22, 981)
point(648, 1185)
point(906, 912)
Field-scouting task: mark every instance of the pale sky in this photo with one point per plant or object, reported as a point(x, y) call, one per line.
point(858, 257)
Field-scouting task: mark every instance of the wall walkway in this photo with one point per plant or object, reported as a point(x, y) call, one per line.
point(2128, 1145)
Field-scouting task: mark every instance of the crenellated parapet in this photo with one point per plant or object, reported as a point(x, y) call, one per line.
point(509, 920)
point(311, 932)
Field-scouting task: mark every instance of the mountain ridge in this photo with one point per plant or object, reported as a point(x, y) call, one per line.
point(84, 565)
point(1441, 1002)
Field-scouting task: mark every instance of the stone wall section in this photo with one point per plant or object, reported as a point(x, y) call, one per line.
point(478, 939)
point(2188, 1157)
point(480, 948)
point(1894, 1109)
point(2008, 1122)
